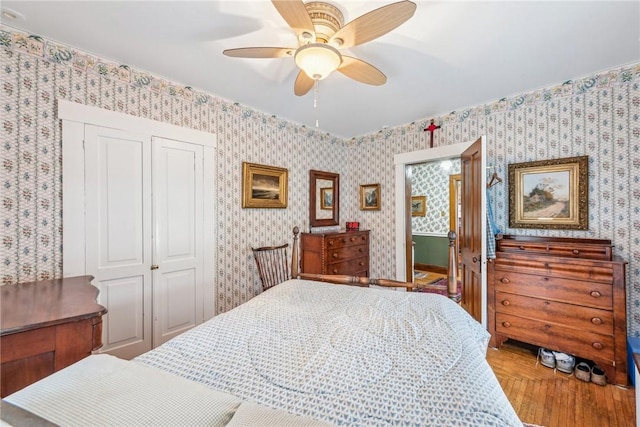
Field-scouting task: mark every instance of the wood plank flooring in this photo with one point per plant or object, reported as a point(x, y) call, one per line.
point(540, 396)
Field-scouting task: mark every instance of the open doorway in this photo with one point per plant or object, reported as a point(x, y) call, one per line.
point(474, 164)
point(431, 217)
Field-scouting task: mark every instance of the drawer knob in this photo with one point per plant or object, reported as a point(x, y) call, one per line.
point(521, 247)
point(344, 240)
point(335, 271)
point(595, 294)
point(597, 345)
point(505, 280)
point(576, 251)
point(361, 263)
point(330, 242)
point(361, 250)
point(506, 303)
point(596, 321)
point(506, 324)
point(353, 239)
point(335, 255)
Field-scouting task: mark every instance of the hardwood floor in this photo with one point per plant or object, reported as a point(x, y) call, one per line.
point(550, 399)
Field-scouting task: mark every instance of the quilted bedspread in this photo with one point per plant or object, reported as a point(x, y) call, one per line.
point(348, 356)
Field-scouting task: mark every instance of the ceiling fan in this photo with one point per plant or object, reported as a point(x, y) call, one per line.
point(322, 33)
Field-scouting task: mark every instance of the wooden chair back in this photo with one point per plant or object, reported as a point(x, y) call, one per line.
point(273, 265)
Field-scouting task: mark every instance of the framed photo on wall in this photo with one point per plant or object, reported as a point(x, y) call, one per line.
point(370, 197)
point(264, 186)
point(551, 194)
point(418, 205)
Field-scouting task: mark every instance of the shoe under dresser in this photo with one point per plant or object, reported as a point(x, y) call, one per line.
point(563, 294)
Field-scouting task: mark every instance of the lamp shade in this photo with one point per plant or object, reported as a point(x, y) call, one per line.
point(318, 60)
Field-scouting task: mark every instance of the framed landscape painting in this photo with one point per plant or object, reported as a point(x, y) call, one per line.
point(418, 205)
point(264, 186)
point(551, 194)
point(370, 197)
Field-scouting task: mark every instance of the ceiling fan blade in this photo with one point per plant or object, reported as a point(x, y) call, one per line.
point(374, 24)
point(303, 84)
point(296, 15)
point(260, 52)
point(361, 71)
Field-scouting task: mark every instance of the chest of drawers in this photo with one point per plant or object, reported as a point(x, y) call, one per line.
point(563, 294)
point(46, 326)
point(335, 253)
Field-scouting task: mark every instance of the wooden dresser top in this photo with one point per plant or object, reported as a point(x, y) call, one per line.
point(44, 303)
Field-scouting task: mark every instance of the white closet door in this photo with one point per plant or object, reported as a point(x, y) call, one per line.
point(118, 235)
point(178, 238)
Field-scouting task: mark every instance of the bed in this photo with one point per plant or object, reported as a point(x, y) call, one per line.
point(304, 352)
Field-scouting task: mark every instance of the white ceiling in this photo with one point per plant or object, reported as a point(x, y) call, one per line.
point(449, 55)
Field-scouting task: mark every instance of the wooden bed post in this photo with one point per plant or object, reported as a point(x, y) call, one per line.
point(452, 276)
point(294, 253)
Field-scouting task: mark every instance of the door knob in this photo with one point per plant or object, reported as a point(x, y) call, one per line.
point(155, 267)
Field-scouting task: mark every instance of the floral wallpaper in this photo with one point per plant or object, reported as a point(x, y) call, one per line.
point(596, 115)
point(432, 181)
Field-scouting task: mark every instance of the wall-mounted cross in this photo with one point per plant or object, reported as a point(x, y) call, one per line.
point(431, 128)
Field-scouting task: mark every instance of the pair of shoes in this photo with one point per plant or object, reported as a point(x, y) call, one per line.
point(564, 362)
point(546, 357)
point(554, 359)
point(591, 374)
point(583, 372)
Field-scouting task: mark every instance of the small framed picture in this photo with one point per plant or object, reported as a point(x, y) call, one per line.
point(326, 198)
point(264, 186)
point(551, 194)
point(418, 205)
point(370, 197)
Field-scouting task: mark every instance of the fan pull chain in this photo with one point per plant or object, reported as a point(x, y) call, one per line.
point(315, 99)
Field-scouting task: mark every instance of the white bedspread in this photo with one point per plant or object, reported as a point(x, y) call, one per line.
point(346, 355)
point(102, 390)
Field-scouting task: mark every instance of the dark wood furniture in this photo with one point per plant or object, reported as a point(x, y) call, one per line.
point(563, 294)
point(345, 253)
point(363, 282)
point(46, 326)
point(273, 263)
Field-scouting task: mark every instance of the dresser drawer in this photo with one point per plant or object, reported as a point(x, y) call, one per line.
point(572, 250)
point(592, 294)
point(555, 266)
point(347, 252)
point(585, 344)
point(350, 267)
point(568, 315)
point(347, 239)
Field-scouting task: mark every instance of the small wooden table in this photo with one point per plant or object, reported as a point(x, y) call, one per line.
point(46, 326)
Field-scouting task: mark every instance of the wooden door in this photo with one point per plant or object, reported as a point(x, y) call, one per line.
point(473, 230)
point(118, 235)
point(178, 241)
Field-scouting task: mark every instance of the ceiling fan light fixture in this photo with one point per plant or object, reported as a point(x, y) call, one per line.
point(318, 60)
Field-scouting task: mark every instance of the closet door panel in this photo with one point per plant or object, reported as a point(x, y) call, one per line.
point(118, 235)
point(178, 218)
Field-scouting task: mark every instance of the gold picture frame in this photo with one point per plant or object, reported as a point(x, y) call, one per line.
point(264, 186)
point(418, 205)
point(550, 194)
point(326, 198)
point(370, 197)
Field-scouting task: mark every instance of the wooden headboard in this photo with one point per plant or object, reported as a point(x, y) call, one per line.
point(452, 284)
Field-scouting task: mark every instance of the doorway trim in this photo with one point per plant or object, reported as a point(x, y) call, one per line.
point(401, 162)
